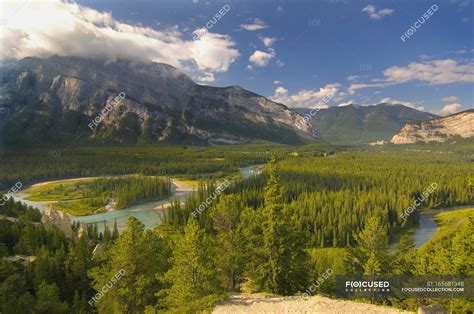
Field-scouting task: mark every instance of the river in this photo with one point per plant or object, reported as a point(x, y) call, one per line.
point(428, 227)
point(150, 213)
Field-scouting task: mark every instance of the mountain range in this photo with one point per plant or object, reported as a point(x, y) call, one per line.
point(356, 125)
point(61, 99)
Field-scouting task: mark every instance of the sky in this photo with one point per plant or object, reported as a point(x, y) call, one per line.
point(301, 53)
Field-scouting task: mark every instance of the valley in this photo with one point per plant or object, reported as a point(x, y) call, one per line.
point(193, 157)
point(329, 194)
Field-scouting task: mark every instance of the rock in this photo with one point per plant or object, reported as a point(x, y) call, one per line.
point(61, 220)
point(99, 248)
point(22, 259)
point(82, 230)
point(432, 309)
point(437, 130)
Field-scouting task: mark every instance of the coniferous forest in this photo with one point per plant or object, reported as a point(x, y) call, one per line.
point(276, 232)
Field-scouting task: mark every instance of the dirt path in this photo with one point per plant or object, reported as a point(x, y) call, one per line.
point(254, 303)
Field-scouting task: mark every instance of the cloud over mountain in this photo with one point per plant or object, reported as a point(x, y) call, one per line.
point(53, 27)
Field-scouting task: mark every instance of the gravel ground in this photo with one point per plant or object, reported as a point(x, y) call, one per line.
point(261, 304)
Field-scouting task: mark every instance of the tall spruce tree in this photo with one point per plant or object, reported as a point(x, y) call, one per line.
point(193, 276)
point(371, 242)
point(284, 270)
point(131, 270)
point(231, 258)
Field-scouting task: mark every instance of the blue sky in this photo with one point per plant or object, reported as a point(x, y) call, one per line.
point(297, 51)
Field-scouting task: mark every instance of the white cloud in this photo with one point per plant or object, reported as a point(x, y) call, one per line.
point(268, 41)
point(434, 72)
point(261, 58)
point(377, 15)
point(69, 29)
point(206, 78)
point(391, 101)
point(305, 98)
point(276, 82)
point(355, 86)
point(346, 103)
point(352, 77)
point(449, 109)
point(256, 24)
point(213, 52)
point(280, 91)
point(449, 99)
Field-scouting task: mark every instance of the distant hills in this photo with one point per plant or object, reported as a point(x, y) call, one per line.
point(459, 125)
point(55, 100)
point(358, 125)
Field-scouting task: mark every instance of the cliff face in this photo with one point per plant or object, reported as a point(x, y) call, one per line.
point(437, 130)
point(61, 220)
point(60, 98)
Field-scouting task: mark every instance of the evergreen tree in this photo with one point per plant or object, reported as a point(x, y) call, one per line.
point(404, 258)
point(193, 276)
point(225, 217)
point(372, 240)
point(115, 233)
point(285, 269)
point(48, 300)
point(131, 270)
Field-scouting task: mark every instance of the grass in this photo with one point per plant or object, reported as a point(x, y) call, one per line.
point(58, 191)
point(449, 223)
point(193, 183)
point(82, 207)
point(79, 197)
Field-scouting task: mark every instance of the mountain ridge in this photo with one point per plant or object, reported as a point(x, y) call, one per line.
point(440, 129)
point(359, 125)
point(56, 97)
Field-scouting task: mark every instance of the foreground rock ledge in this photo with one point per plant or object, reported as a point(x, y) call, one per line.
point(255, 303)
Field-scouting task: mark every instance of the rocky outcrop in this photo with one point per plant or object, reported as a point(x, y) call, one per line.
point(437, 130)
point(160, 103)
point(53, 218)
point(99, 248)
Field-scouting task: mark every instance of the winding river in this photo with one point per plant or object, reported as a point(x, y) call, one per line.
point(428, 227)
point(150, 213)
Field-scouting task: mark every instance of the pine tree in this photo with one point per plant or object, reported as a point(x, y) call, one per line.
point(285, 268)
point(115, 233)
point(225, 217)
point(404, 257)
point(193, 276)
point(48, 300)
point(371, 240)
point(131, 270)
